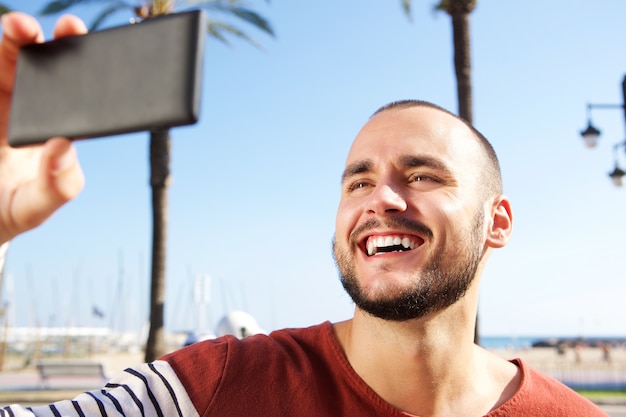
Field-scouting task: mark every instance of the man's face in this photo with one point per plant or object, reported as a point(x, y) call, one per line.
point(410, 224)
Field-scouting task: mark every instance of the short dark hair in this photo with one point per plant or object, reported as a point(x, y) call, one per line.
point(493, 174)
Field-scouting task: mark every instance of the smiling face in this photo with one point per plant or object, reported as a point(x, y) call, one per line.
point(410, 229)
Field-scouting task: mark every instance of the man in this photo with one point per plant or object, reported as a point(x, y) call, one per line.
point(421, 210)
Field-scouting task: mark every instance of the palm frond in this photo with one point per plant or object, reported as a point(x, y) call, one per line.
point(406, 6)
point(58, 6)
point(254, 19)
point(217, 30)
point(106, 13)
point(456, 6)
point(442, 5)
point(214, 30)
point(232, 8)
point(4, 9)
point(160, 7)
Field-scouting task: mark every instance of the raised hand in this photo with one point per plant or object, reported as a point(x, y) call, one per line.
point(36, 180)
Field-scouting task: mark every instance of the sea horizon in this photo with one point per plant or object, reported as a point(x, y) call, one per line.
point(525, 342)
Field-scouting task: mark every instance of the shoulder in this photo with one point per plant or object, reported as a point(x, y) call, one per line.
point(226, 366)
point(541, 395)
point(219, 349)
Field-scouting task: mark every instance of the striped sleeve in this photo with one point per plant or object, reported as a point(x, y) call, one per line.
point(147, 390)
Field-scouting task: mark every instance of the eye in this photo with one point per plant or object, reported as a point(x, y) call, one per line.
point(420, 178)
point(357, 186)
point(424, 180)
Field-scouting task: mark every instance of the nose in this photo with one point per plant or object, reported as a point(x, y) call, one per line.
point(385, 199)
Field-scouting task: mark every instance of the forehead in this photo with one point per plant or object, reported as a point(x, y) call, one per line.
point(424, 131)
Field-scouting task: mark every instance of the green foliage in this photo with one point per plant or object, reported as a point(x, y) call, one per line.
point(218, 29)
point(58, 6)
point(104, 15)
point(242, 13)
point(453, 7)
point(448, 6)
point(406, 6)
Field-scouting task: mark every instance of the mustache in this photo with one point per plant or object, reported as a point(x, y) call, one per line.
point(392, 223)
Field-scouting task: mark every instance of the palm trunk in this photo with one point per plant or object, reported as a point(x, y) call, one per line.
point(463, 70)
point(159, 181)
point(462, 63)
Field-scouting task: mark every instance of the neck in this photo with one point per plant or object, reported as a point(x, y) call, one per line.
point(428, 366)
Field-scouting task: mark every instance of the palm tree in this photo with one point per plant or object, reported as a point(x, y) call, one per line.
point(4, 9)
point(160, 139)
point(459, 11)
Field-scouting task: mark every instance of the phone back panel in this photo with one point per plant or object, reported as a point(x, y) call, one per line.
point(143, 76)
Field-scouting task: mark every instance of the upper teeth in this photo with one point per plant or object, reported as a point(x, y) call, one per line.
point(375, 243)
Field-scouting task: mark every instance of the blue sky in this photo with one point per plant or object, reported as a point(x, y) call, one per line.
point(256, 181)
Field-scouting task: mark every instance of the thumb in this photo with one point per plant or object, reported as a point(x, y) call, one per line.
point(61, 177)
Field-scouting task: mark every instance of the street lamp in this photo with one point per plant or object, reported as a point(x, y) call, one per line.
point(617, 175)
point(591, 134)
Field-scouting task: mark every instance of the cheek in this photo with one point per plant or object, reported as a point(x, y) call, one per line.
point(347, 216)
point(446, 216)
point(464, 221)
point(449, 207)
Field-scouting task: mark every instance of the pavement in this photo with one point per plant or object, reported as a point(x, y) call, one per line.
point(25, 387)
point(19, 385)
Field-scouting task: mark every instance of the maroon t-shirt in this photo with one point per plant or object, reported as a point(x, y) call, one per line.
point(303, 372)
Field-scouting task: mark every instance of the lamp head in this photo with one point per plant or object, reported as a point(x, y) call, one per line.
point(617, 176)
point(590, 135)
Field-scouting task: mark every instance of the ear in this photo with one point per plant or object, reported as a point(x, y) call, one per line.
point(501, 225)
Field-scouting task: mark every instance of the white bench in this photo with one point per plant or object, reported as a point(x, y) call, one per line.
point(70, 368)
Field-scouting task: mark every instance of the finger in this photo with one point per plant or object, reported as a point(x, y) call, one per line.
point(18, 29)
point(60, 170)
point(60, 179)
point(69, 25)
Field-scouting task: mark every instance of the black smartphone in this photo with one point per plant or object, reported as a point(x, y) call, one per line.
point(130, 78)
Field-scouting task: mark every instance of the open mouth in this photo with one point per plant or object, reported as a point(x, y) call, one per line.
point(393, 243)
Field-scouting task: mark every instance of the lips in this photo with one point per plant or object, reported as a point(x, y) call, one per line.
point(376, 245)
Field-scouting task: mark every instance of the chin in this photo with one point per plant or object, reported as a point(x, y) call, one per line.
point(387, 283)
point(384, 289)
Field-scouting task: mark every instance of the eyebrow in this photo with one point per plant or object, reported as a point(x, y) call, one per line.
point(356, 168)
point(411, 161)
point(406, 161)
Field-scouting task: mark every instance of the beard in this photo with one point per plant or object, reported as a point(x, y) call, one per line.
point(441, 283)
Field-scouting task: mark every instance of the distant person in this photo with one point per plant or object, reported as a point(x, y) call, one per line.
point(578, 349)
point(606, 352)
point(421, 210)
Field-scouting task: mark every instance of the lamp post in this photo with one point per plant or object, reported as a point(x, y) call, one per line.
point(591, 135)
